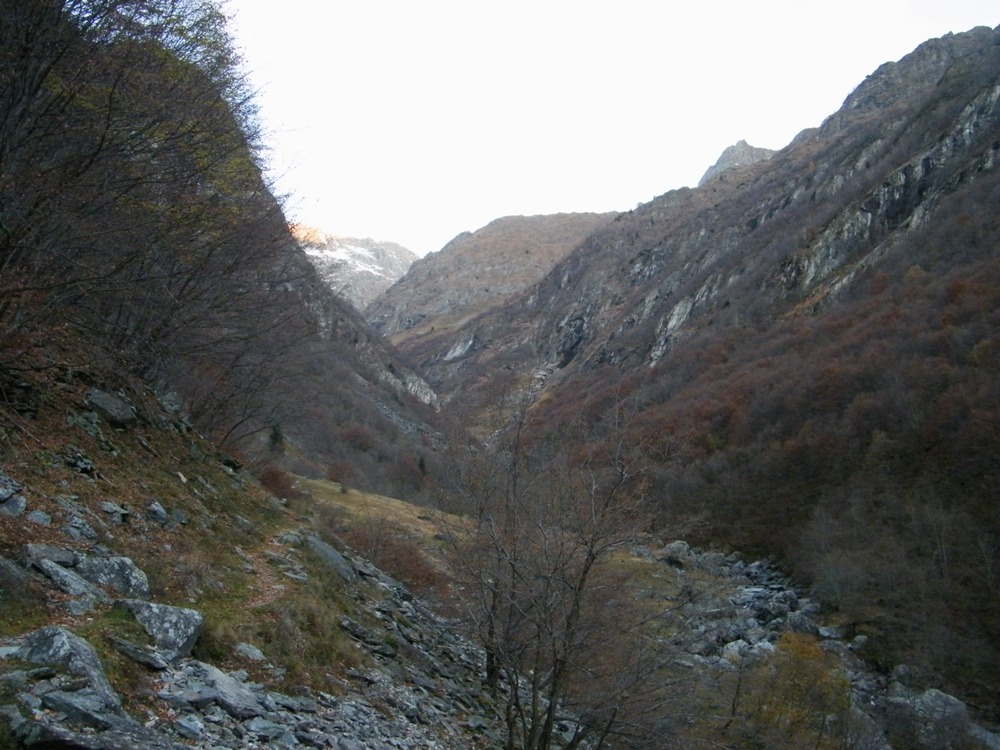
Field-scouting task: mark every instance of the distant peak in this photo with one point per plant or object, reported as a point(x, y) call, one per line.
point(739, 154)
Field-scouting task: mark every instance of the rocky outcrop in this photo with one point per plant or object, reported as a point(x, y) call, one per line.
point(424, 688)
point(740, 154)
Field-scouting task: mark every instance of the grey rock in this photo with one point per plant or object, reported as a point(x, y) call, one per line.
point(118, 573)
point(89, 422)
point(57, 646)
point(118, 514)
point(8, 487)
point(157, 512)
point(190, 726)
point(11, 716)
point(800, 623)
point(77, 460)
point(932, 720)
point(739, 154)
point(65, 557)
point(987, 739)
point(249, 651)
point(70, 582)
point(39, 517)
point(82, 707)
point(234, 696)
point(333, 559)
point(675, 553)
point(12, 575)
point(15, 505)
point(77, 528)
point(137, 653)
point(114, 410)
point(175, 630)
point(127, 735)
point(264, 728)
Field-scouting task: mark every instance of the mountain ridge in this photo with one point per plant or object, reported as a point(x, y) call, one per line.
point(477, 271)
point(879, 214)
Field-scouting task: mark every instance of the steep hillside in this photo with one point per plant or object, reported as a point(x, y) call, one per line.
point(156, 594)
point(357, 270)
point(475, 272)
point(819, 332)
point(134, 214)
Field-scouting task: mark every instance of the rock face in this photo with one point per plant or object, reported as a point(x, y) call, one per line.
point(475, 272)
point(740, 154)
point(791, 233)
point(358, 270)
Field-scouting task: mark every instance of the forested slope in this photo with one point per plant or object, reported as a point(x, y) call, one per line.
point(817, 336)
point(134, 216)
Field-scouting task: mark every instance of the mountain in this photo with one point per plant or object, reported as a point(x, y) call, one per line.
point(476, 272)
point(814, 338)
point(798, 360)
point(358, 270)
point(150, 251)
point(739, 154)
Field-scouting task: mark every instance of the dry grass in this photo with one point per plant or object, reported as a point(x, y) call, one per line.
point(402, 539)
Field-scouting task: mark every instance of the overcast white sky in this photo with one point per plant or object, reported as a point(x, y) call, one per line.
point(412, 121)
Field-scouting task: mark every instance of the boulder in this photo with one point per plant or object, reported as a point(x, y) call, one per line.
point(77, 528)
point(333, 559)
point(931, 720)
point(8, 487)
point(56, 646)
point(234, 696)
point(15, 505)
point(65, 557)
point(157, 512)
point(85, 707)
point(675, 553)
point(39, 517)
point(175, 630)
point(118, 573)
point(114, 410)
point(118, 514)
point(140, 654)
point(12, 576)
point(249, 651)
point(70, 582)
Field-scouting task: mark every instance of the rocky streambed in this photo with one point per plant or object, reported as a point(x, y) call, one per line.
point(423, 684)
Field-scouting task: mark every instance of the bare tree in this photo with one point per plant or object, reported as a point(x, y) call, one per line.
point(567, 647)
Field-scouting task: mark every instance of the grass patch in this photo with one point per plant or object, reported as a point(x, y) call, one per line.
point(402, 539)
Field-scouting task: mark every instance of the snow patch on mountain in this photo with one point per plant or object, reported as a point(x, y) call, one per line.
point(358, 270)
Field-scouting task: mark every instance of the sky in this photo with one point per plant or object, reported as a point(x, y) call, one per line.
point(412, 121)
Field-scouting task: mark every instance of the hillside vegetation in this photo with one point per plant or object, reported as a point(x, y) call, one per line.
point(798, 361)
point(134, 215)
point(818, 331)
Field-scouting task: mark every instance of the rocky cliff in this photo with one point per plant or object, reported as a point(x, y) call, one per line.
point(739, 154)
point(475, 272)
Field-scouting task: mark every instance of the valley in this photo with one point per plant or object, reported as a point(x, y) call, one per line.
point(716, 471)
